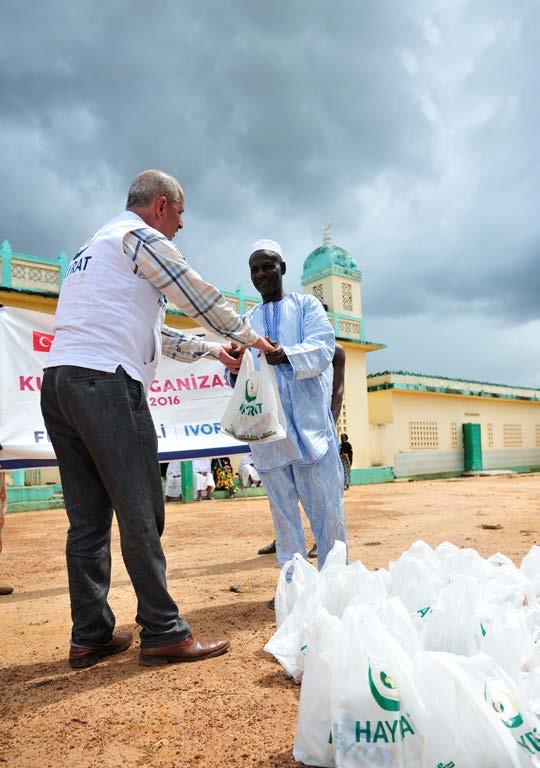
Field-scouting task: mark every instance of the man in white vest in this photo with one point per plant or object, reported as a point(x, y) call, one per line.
point(109, 334)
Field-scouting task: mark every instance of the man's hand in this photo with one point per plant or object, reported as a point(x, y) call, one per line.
point(264, 345)
point(231, 356)
point(277, 356)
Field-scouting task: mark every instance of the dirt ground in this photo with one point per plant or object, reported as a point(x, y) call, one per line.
point(236, 710)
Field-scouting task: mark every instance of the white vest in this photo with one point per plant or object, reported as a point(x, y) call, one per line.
point(108, 316)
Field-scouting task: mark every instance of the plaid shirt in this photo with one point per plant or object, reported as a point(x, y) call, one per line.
point(157, 259)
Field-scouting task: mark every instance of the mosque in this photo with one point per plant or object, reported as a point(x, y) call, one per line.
point(400, 424)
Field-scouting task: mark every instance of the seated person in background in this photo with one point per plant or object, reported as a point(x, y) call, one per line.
point(173, 488)
point(202, 478)
point(248, 473)
point(223, 475)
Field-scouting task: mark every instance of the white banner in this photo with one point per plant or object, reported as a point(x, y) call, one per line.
point(186, 399)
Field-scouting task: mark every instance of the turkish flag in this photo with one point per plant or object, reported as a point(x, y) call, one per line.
point(42, 341)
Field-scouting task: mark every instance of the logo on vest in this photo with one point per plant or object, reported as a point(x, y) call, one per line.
point(78, 265)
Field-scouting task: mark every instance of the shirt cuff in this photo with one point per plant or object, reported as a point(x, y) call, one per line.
point(252, 338)
point(213, 349)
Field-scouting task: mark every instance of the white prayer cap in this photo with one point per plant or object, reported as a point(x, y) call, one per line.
point(266, 245)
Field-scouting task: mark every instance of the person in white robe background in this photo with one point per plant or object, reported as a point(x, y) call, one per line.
point(203, 480)
point(248, 473)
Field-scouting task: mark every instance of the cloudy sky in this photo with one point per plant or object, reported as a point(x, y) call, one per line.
point(412, 126)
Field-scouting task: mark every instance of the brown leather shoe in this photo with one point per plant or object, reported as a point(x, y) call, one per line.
point(86, 657)
point(5, 590)
point(190, 649)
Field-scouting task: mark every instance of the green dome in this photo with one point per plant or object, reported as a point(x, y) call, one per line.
point(329, 257)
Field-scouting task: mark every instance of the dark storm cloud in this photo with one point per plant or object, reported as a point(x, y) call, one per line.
point(292, 101)
point(412, 126)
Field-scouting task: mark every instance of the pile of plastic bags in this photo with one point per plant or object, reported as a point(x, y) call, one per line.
point(433, 663)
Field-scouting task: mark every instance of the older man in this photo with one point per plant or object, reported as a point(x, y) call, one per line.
point(109, 333)
point(305, 466)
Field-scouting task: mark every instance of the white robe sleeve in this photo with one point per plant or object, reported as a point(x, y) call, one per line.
point(315, 353)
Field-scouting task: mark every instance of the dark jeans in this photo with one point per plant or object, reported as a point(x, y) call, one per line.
point(106, 445)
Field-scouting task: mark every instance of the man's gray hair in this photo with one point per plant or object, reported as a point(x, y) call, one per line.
point(151, 184)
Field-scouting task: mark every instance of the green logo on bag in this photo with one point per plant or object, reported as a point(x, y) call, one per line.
point(251, 390)
point(250, 410)
point(451, 764)
point(382, 688)
point(387, 731)
point(502, 701)
point(248, 407)
point(497, 694)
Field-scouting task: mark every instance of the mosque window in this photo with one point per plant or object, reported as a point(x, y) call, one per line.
point(318, 291)
point(513, 435)
point(490, 441)
point(538, 435)
point(454, 434)
point(346, 297)
point(423, 435)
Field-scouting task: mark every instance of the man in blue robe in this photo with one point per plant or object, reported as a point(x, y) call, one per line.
point(305, 466)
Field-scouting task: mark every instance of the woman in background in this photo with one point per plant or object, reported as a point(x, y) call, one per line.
point(223, 475)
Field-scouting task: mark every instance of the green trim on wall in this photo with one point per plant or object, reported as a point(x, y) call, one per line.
point(523, 470)
point(452, 391)
point(485, 473)
point(374, 344)
point(434, 476)
point(29, 292)
point(35, 506)
point(39, 493)
point(367, 475)
point(449, 378)
point(349, 274)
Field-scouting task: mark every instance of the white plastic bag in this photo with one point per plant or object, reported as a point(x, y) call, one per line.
point(453, 625)
point(313, 744)
point(254, 413)
point(460, 726)
point(530, 566)
point(508, 640)
point(370, 694)
point(294, 578)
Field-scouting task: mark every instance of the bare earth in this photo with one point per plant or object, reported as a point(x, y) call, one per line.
point(237, 710)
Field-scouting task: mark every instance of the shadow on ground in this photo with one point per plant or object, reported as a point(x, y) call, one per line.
point(36, 685)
